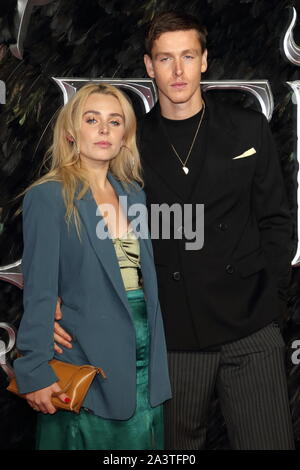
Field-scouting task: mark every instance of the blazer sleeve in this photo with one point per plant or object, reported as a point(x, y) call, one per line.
point(40, 266)
point(272, 212)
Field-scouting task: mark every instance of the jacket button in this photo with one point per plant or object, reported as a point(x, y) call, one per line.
point(222, 226)
point(176, 276)
point(229, 269)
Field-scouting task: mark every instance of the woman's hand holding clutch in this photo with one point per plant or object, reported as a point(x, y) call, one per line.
point(40, 400)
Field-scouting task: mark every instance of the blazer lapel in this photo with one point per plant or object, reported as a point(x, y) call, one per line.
point(104, 249)
point(221, 142)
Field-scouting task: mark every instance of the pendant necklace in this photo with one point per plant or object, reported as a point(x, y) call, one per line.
point(184, 163)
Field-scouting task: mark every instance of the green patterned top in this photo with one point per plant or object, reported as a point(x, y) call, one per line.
point(128, 253)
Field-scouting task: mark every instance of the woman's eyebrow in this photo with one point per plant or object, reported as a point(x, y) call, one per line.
point(98, 112)
point(91, 111)
point(117, 115)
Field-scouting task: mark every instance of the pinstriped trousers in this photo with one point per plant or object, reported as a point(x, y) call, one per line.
point(250, 380)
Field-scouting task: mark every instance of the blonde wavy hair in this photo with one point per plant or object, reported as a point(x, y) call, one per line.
point(63, 158)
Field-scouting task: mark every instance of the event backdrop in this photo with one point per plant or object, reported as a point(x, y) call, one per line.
point(95, 39)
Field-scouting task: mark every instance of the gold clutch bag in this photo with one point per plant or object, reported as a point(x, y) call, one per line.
point(73, 380)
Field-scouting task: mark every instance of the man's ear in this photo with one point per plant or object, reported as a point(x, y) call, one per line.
point(204, 61)
point(149, 65)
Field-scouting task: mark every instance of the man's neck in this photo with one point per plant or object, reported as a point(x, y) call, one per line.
point(180, 111)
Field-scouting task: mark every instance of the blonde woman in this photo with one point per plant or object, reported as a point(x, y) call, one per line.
point(107, 284)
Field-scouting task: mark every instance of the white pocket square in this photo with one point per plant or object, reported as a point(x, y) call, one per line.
point(246, 154)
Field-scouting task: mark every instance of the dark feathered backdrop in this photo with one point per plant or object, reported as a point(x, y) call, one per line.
point(104, 38)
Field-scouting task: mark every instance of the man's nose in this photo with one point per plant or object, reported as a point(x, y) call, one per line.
point(178, 68)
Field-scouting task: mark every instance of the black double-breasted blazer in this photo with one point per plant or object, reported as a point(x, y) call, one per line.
point(237, 282)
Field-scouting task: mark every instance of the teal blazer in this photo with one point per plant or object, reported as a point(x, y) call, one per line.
point(96, 312)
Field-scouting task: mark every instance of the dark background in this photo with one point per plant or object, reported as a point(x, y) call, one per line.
point(104, 39)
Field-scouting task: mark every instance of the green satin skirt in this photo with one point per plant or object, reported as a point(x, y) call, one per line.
point(66, 430)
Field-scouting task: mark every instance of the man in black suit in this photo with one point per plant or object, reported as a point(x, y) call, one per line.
point(221, 304)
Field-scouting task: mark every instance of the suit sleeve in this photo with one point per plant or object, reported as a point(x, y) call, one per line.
point(40, 266)
point(272, 212)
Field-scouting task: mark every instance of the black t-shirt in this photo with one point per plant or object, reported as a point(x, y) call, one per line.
point(180, 133)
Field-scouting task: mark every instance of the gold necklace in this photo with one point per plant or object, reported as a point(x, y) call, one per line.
point(183, 163)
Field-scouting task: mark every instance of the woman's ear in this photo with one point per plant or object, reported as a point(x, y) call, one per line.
point(70, 138)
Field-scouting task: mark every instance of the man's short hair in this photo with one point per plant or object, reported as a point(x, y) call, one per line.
point(167, 21)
